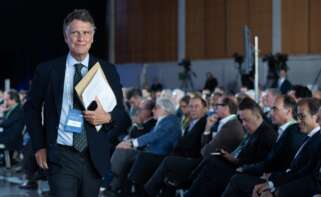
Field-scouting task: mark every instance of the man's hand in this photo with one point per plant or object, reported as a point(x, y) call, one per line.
point(211, 120)
point(41, 157)
point(239, 169)
point(125, 145)
point(228, 156)
point(259, 189)
point(97, 117)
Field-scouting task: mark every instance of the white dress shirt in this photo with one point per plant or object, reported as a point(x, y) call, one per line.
point(65, 138)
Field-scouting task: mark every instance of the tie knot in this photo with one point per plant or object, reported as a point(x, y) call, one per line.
point(79, 67)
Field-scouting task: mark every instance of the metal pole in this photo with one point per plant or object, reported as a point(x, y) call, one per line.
point(256, 64)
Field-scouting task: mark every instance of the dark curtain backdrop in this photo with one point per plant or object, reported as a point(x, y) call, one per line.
point(31, 32)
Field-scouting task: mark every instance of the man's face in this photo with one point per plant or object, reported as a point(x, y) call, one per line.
point(144, 113)
point(135, 101)
point(306, 121)
point(79, 36)
point(279, 113)
point(158, 112)
point(184, 107)
point(249, 120)
point(270, 98)
point(196, 108)
point(221, 109)
point(8, 102)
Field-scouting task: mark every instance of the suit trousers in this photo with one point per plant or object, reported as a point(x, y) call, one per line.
point(143, 167)
point(212, 178)
point(306, 186)
point(174, 166)
point(73, 175)
point(121, 162)
point(241, 185)
point(29, 163)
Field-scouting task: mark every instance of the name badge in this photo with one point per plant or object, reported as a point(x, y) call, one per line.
point(74, 121)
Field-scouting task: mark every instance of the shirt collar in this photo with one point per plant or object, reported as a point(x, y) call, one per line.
point(72, 61)
point(315, 130)
point(227, 118)
point(283, 127)
point(287, 124)
point(160, 119)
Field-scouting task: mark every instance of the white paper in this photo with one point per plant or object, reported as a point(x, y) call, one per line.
point(99, 86)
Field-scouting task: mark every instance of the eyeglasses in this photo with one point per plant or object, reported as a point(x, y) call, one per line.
point(220, 104)
point(301, 116)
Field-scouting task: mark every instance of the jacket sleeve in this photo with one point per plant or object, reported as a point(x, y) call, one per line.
point(34, 105)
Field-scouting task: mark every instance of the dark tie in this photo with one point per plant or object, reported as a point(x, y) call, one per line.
point(241, 146)
point(79, 139)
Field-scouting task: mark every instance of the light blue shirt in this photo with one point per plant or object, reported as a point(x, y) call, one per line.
point(65, 138)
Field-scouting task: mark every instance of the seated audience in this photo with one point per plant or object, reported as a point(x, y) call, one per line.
point(215, 171)
point(13, 122)
point(305, 162)
point(188, 146)
point(158, 142)
point(229, 132)
point(288, 142)
point(177, 168)
point(145, 120)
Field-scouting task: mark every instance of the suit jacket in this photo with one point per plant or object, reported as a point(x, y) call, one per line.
point(285, 86)
point(303, 165)
point(47, 92)
point(161, 139)
point(146, 127)
point(282, 153)
point(258, 146)
point(12, 129)
point(229, 137)
point(189, 145)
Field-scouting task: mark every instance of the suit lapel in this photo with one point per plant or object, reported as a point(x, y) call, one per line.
point(92, 61)
point(59, 79)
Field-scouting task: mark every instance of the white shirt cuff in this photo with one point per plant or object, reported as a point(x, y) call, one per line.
point(271, 186)
point(135, 143)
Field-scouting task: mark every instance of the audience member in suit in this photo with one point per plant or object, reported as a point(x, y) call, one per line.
point(229, 132)
point(157, 143)
point(145, 120)
point(134, 98)
point(267, 104)
point(216, 171)
point(13, 122)
point(299, 91)
point(283, 84)
point(306, 159)
point(186, 153)
point(288, 142)
point(76, 162)
point(306, 186)
point(183, 112)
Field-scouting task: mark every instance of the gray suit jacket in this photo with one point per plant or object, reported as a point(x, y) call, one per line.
point(228, 138)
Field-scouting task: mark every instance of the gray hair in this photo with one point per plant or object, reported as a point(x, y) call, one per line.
point(79, 14)
point(166, 104)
